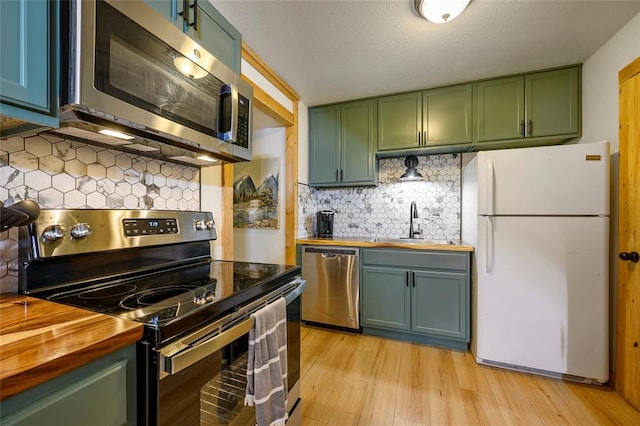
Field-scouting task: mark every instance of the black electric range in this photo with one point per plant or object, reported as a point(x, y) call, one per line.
point(150, 266)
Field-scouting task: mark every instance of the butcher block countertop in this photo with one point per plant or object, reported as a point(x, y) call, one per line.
point(416, 244)
point(40, 340)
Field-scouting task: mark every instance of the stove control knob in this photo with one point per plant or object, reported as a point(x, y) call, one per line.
point(200, 225)
point(210, 224)
point(80, 230)
point(52, 233)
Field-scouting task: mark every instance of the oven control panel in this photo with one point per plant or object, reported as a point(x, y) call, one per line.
point(135, 227)
point(66, 231)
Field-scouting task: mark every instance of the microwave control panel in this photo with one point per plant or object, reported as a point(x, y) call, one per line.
point(243, 122)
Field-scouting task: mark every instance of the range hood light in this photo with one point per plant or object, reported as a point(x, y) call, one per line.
point(116, 134)
point(188, 68)
point(207, 158)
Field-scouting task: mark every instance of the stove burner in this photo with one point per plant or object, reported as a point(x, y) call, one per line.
point(107, 291)
point(161, 304)
point(161, 297)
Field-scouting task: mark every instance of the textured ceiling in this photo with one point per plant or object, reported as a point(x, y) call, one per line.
point(331, 51)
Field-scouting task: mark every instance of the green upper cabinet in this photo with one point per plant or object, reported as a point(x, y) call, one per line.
point(29, 65)
point(538, 105)
point(447, 115)
point(324, 145)
point(207, 26)
point(342, 141)
point(422, 120)
point(400, 121)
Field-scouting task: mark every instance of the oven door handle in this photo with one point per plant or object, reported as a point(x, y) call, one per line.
point(192, 354)
point(188, 357)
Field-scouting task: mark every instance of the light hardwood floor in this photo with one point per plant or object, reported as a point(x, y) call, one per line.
point(351, 379)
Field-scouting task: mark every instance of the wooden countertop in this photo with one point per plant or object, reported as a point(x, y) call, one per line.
point(450, 245)
point(40, 340)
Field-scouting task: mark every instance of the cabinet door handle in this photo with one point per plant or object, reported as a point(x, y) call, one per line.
point(424, 138)
point(194, 6)
point(522, 130)
point(184, 10)
point(406, 279)
point(418, 136)
point(413, 279)
point(341, 175)
point(530, 127)
point(337, 175)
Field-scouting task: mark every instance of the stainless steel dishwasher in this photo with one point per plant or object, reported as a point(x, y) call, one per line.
point(332, 296)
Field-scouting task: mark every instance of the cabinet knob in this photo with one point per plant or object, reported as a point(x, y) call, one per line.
point(631, 256)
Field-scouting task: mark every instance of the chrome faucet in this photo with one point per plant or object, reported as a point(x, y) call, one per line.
point(413, 215)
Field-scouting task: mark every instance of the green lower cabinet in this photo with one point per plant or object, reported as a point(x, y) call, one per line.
point(416, 295)
point(439, 303)
point(102, 393)
point(387, 302)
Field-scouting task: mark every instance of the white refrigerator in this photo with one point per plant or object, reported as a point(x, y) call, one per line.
point(539, 221)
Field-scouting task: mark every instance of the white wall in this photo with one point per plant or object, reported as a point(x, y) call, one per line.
point(600, 84)
point(600, 122)
point(265, 245)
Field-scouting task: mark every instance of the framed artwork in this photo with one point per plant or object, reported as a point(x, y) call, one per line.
point(255, 193)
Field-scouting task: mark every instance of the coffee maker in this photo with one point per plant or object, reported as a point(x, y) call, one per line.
point(324, 223)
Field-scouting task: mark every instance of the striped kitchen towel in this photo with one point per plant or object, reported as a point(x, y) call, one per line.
point(267, 365)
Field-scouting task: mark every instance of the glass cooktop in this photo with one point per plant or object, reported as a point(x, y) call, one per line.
point(158, 298)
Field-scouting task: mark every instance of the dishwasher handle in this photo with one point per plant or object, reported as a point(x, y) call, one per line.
point(330, 252)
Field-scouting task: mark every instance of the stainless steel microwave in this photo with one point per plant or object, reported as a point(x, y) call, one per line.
point(133, 81)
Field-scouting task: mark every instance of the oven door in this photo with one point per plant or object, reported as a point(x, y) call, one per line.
point(205, 384)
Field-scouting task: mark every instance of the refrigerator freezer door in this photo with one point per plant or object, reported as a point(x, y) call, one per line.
point(554, 180)
point(542, 294)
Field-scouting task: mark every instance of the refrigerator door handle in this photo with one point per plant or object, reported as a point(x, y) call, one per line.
point(489, 245)
point(487, 188)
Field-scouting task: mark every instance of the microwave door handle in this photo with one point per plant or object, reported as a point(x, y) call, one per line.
point(233, 132)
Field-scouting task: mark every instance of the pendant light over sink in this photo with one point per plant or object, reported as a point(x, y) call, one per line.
point(440, 11)
point(411, 174)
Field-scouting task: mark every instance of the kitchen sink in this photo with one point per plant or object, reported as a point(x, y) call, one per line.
point(407, 240)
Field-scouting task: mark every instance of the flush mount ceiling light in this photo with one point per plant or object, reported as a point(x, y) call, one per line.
point(440, 11)
point(411, 174)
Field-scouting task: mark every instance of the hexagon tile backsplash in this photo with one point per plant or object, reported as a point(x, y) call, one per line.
point(383, 211)
point(59, 173)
